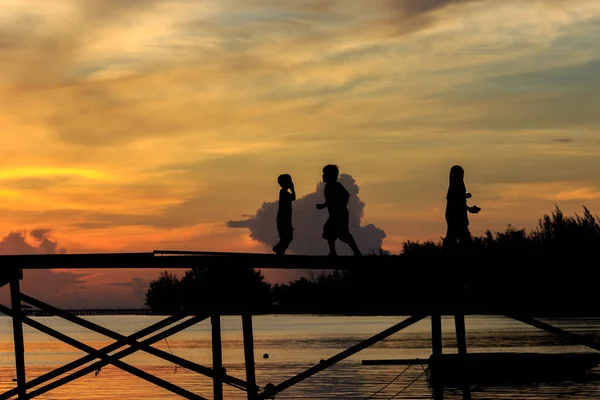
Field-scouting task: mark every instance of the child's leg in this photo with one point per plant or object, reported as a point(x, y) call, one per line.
point(464, 237)
point(346, 237)
point(286, 239)
point(331, 244)
point(330, 234)
point(353, 246)
point(451, 237)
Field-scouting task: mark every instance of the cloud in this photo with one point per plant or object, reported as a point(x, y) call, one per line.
point(224, 73)
point(35, 183)
point(40, 50)
point(308, 223)
point(136, 88)
point(136, 288)
point(68, 288)
point(579, 194)
point(415, 7)
point(547, 192)
point(563, 140)
point(186, 213)
point(417, 14)
point(16, 243)
point(50, 286)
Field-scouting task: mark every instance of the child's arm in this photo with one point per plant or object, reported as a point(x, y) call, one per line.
point(323, 205)
point(345, 196)
point(473, 210)
point(293, 191)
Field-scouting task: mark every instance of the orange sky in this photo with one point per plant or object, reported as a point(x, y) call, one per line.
point(139, 125)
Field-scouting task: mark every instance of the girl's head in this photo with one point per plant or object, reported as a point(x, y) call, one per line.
point(457, 174)
point(284, 180)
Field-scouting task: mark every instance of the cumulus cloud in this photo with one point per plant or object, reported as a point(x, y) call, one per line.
point(308, 223)
point(43, 243)
point(50, 286)
point(67, 288)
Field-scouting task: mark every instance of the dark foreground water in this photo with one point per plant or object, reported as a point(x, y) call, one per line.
point(295, 343)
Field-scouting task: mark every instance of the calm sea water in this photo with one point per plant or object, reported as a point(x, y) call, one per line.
point(293, 344)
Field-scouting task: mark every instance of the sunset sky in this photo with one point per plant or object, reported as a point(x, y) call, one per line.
point(133, 125)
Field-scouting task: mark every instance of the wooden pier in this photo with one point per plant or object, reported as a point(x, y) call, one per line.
point(143, 340)
point(92, 311)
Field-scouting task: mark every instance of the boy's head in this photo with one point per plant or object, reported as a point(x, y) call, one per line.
point(284, 180)
point(330, 173)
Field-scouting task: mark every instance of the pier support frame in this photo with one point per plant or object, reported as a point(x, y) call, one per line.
point(461, 342)
point(249, 354)
point(145, 338)
point(436, 351)
point(103, 354)
point(217, 356)
point(17, 324)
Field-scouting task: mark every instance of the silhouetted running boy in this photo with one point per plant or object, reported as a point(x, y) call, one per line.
point(287, 194)
point(336, 200)
point(456, 209)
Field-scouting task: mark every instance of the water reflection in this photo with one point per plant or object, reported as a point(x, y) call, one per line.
point(295, 343)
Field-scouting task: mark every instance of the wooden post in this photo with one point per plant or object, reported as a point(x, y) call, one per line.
point(461, 336)
point(15, 300)
point(436, 334)
point(436, 350)
point(461, 341)
point(217, 356)
point(249, 355)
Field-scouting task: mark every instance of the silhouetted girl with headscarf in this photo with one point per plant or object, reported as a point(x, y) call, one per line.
point(457, 208)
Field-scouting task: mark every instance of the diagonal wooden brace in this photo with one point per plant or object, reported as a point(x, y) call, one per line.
point(88, 358)
point(340, 356)
point(105, 357)
point(123, 353)
point(134, 344)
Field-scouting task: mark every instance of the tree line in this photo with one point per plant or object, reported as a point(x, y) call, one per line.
point(549, 270)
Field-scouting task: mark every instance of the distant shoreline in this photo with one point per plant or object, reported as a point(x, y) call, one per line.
point(146, 312)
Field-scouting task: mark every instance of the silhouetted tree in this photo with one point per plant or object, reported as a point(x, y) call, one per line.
point(164, 294)
point(544, 271)
point(232, 289)
point(558, 234)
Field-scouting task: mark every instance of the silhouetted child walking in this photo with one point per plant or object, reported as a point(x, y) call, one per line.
point(336, 201)
point(287, 194)
point(457, 208)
